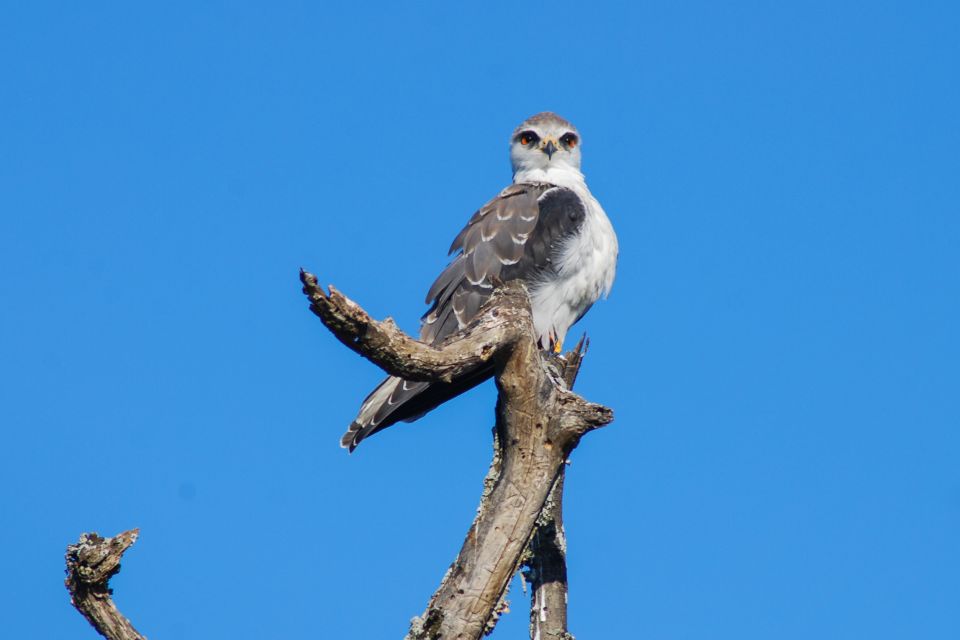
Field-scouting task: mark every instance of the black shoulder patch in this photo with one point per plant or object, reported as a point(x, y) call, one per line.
point(562, 207)
point(561, 215)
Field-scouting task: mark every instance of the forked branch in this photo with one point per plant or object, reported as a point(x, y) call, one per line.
point(545, 561)
point(539, 422)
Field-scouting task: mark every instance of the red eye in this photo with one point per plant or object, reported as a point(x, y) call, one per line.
point(569, 140)
point(527, 138)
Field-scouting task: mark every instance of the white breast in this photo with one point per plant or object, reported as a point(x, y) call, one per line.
point(586, 271)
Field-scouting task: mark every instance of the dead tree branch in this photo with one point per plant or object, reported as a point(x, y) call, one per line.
point(91, 563)
point(545, 561)
point(539, 422)
point(384, 344)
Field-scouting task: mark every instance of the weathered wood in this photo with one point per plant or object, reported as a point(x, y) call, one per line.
point(384, 344)
point(538, 424)
point(545, 561)
point(539, 421)
point(91, 563)
point(545, 568)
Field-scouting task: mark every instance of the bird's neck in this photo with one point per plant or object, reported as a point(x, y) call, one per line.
point(561, 175)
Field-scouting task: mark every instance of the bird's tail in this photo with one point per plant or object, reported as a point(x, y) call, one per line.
point(395, 400)
point(386, 405)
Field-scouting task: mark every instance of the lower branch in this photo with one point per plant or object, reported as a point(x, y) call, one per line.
point(545, 568)
point(90, 565)
point(545, 562)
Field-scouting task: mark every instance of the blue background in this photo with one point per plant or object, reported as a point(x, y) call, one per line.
point(780, 346)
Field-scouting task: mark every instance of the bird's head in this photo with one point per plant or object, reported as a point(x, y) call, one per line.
point(544, 143)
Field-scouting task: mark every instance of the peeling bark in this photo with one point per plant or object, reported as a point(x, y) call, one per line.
point(545, 562)
point(91, 563)
point(545, 568)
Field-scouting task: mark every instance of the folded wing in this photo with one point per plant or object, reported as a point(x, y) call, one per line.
point(518, 234)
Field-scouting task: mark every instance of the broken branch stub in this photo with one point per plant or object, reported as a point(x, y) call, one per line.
point(91, 562)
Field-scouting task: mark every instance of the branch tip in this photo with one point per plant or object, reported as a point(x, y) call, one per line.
point(91, 562)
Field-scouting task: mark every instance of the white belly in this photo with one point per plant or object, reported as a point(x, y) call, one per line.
point(586, 271)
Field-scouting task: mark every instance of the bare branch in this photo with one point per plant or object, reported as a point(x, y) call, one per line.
point(384, 344)
point(545, 561)
point(573, 360)
point(545, 568)
point(90, 565)
point(539, 421)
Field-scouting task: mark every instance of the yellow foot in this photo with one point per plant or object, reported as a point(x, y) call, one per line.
point(558, 346)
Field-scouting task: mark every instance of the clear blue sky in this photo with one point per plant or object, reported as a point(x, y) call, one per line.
point(780, 346)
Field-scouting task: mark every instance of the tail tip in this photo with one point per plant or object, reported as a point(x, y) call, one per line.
point(351, 439)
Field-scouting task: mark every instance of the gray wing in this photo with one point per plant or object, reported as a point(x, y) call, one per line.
point(518, 234)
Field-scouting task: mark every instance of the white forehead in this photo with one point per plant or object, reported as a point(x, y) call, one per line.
point(546, 123)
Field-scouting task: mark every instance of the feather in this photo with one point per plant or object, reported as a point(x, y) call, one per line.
point(519, 234)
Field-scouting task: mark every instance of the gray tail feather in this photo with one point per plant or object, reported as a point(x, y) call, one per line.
point(395, 400)
point(383, 407)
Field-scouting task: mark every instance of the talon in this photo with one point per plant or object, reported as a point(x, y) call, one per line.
point(558, 346)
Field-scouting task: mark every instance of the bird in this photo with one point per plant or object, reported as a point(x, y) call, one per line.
point(545, 229)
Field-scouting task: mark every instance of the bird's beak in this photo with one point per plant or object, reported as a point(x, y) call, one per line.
point(549, 148)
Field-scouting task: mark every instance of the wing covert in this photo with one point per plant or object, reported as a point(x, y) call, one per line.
point(515, 235)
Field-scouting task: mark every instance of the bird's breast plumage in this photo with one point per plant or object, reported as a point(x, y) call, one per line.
point(586, 266)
